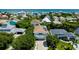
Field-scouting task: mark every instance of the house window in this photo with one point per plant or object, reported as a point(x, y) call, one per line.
point(19, 33)
point(40, 34)
point(36, 24)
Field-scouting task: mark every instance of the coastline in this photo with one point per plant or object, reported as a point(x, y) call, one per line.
point(40, 10)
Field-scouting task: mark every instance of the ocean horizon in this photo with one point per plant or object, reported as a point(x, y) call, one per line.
point(40, 10)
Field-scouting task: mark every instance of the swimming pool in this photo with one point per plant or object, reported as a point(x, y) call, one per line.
point(8, 26)
point(12, 23)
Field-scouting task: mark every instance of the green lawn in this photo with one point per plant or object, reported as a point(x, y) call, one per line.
point(62, 45)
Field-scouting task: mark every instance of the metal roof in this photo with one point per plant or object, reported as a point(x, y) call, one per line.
point(70, 35)
point(77, 31)
point(58, 31)
point(17, 30)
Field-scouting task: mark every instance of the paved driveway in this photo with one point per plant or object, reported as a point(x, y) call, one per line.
point(41, 45)
point(77, 48)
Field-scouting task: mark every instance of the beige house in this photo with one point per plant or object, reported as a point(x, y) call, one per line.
point(56, 20)
point(35, 22)
point(62, 19)
point(40, 32)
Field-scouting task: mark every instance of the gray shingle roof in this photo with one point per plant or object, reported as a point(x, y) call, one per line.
point(58, 31)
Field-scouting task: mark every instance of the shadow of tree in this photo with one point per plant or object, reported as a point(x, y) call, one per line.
point(45, 44)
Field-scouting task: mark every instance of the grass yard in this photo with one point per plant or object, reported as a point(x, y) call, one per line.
point(62, 46)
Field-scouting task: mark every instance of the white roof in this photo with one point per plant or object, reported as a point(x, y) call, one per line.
point(17, 30)
point(7, 27)
point(57, 22)
point(22, 12)
point(46, 19)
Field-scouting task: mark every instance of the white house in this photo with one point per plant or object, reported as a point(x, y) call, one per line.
point(18, 31)
point(46, 19)
point(62, 19)
point(22, 13)
point(71, 19)
point(35, 22)
point(56, 20)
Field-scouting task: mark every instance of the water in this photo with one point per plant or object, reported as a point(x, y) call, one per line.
point(40, 10)
point(12, 23)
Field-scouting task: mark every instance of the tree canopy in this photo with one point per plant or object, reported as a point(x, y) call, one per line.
point(25, 42)
point(56, 44)
point(5, 40)
point(25, 23)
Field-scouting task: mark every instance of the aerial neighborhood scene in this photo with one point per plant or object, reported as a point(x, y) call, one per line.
point(39, 29)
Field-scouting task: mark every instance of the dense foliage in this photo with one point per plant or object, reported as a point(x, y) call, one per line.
point(5, 40)
point(52, 41)
point(64, 46)
point(25, 23)
point(25, 42)
point(55, 44)
point(69, 26)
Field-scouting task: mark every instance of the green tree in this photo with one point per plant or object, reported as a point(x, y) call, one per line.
point(19, 17)
point(52, 41)
point(64, 46)
point(23, 23)
point(25, 42)
point(46, 24)
point(5, 40)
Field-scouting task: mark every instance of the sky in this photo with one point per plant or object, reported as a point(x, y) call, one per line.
point(39, 4)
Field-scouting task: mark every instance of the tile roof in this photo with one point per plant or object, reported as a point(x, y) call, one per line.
point(39, 29)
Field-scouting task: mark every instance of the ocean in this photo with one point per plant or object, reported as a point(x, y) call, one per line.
point(40, 10)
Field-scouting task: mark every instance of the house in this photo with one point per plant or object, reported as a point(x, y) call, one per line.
point(3, 21)
point(46, 19)
point(22, 13)
point(59, 33)
point(3, 16)
point(62, 19)
point(40, 32)
point(77, 31)
point(71, 19)
point(35, 22)
point(62, 34)
point(70, 36)
point(56, 20)
point(6, 28)
point(11, 29)
point(18, 31)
